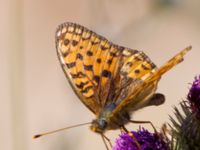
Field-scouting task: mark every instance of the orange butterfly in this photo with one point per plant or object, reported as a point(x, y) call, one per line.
point(111, 80)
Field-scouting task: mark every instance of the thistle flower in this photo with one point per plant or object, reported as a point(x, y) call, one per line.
point(194, 97)
point(186, 125)
point(147, 141)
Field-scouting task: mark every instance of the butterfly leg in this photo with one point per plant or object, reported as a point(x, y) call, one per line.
point(156, 99)
point(144, 122)
point(133, 137)
point(107, 140)
point(121, 130)
point(104, 141)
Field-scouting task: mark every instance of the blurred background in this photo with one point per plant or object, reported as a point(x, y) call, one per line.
point(34, 94)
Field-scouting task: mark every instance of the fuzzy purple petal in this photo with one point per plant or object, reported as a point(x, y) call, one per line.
point(147, 141)
point(194, 96)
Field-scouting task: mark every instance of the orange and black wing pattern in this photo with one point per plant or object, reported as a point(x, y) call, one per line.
point(99, 71)
point(147, 87)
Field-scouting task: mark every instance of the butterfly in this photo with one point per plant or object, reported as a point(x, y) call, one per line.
point(112, 81)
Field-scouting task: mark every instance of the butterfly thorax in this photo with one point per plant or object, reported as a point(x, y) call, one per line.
point(103, 121)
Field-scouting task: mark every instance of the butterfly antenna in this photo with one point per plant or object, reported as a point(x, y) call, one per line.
point(58, 130)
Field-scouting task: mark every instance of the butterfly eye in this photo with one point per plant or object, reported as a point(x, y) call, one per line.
point(102, 123)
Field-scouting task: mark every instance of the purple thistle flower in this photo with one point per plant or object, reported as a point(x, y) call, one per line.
point(194, 96)
point(147, 141)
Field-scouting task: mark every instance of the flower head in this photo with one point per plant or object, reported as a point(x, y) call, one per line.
point(194, 96)
point(147, 141)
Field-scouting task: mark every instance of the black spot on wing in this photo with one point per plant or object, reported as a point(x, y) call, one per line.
point(130, 64)
point(138, 59)
point(113, 54)
point(145, 67)
point(82, 84)
point(66, 42)
point(79, 56)
point(96, 78)
point(104, 48)
point(137, 71)
point(99, 60)
point(88, 67)
point(106, 73)
point(153, 65)
point(89, 53)
point(77, 75)
point(74, 42)
point(94, 43)
point(71, 65)
point(109, 61)
point(86, 89)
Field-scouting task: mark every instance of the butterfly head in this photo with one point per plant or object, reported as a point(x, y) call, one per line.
point(99, 125)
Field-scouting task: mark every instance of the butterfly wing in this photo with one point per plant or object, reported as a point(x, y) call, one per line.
point(132, 73)
point(72, 41)
point(146, 87)
point(89, 61)
point(99, 71)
